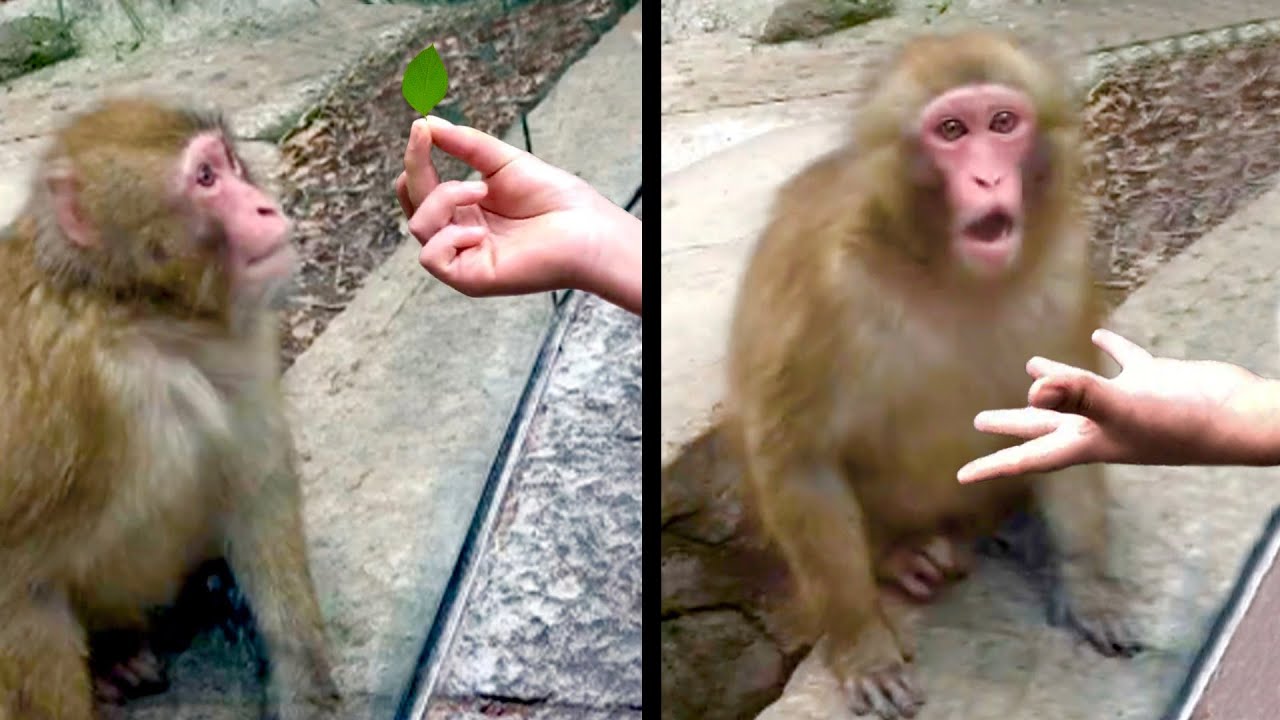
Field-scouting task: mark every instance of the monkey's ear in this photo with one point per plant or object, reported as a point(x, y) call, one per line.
point(64, 189)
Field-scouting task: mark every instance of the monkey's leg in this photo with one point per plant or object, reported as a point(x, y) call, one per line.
point(1088, 595)
point(124, 665)
point(268, 557)
point(43, 668)
point(820, 527)
point(921, 568)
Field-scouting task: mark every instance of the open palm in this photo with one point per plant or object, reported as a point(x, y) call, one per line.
point(1156, 411)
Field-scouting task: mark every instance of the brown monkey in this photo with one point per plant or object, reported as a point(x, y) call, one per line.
point(898, 289)
point(141, 418)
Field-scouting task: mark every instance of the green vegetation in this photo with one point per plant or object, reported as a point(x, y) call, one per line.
point(30, 43)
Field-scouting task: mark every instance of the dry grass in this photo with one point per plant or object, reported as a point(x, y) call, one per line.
point(1175, 149)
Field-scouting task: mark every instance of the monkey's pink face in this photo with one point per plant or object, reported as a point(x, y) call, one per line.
point(253, 231)
point(978, 138)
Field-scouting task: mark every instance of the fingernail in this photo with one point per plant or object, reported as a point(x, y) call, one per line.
point(438, 121)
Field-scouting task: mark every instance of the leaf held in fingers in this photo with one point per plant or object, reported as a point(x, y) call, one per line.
point(425, 81)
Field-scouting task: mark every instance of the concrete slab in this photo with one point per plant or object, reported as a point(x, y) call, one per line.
point(406, 398)
point(710, 219)
point(589, 123)
point(986, 651)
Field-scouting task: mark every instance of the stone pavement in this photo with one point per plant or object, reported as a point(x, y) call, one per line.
point(738, 120)
point(403, 403)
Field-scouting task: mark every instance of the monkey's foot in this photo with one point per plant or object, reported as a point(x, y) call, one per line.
point(877, 679)
point(125, 667)
point(921, 571)
point(1096, 609)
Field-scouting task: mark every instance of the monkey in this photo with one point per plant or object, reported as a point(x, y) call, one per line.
point(899, 285)
point(142, 421)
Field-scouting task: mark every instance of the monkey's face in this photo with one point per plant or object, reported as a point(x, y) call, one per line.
point(239, 228)
point(975, 144)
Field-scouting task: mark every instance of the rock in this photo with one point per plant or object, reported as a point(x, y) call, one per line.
point(718, 666)
point(727, 642)
point(30, 43)
point(812, 693)
point(801, 19)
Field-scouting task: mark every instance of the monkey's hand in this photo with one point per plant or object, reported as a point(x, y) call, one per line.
point(317, 700)
point(315, 707)
point(875, 674)
point(1097, 607)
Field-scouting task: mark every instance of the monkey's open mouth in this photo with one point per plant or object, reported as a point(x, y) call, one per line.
point(991, 227)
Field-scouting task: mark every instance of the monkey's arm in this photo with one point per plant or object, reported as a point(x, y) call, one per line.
point(268, 556)
point(1075, 504)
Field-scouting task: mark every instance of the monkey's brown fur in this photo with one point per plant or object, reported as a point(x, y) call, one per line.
point(141, 427)
point(860, 353)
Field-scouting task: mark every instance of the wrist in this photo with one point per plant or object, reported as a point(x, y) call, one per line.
point(1254, 422)
point(609, 263)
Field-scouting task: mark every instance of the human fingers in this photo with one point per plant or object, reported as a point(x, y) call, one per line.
point(439, 252)
point(402, 194)
point(1081, 394)
point(1024, 423)
point(436, 211)
point(478, 149)
point(1122, 349)
point(1054, 451)
point(420, 173)
point(1038, 367)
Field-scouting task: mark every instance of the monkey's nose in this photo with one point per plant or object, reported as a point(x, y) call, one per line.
point(268, 211)
point(987, 182)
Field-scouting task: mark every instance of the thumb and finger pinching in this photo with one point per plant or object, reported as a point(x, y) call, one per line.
point(479, 150)
point(420, 174)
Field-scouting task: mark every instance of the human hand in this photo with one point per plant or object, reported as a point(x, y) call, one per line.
point(1157, 411)
point(526, 227)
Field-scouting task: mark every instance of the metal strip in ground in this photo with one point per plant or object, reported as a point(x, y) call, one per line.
point(1260, 561)
point(413, 702)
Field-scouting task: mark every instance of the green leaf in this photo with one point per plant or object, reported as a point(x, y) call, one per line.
point(425, 81)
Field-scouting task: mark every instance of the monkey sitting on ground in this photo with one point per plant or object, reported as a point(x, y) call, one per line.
point(899, 287)
point(142, 427)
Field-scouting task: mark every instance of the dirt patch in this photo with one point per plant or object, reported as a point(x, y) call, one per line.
point(1177, 147)
point(340, 165)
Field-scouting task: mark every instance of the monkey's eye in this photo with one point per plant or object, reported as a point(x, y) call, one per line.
point(205, 176)
point(1004, 122)
point(951, 129)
